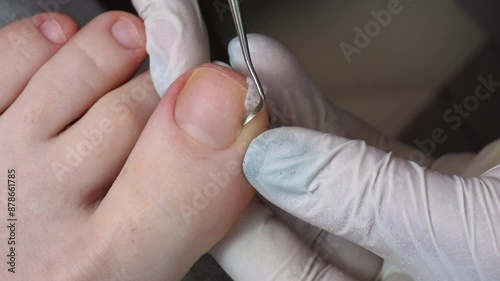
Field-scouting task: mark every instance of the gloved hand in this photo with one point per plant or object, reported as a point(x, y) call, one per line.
point(277, 245)
point(433, 226)
point(177, 39)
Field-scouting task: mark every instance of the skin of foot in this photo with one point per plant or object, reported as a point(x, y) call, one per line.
point(99, 179)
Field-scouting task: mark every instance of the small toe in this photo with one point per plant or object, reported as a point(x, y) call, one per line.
point(99, 58)
point(26, 45)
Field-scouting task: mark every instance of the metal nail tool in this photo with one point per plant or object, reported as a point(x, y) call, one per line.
point(240, 29)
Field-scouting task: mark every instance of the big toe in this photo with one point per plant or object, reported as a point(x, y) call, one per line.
point(183, 188)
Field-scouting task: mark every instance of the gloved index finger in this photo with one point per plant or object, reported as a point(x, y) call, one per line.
point(177, 39)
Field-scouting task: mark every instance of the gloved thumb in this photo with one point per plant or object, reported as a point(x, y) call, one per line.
point(434, 226)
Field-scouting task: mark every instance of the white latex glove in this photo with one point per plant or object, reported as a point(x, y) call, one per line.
point(177, 39)
point(434, 226)
point(276, 245)
point(437, 227)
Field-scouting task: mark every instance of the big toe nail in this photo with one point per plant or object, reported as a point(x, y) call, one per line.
point(211, 108)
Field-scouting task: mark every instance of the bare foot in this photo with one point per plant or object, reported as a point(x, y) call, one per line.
point(89, 197)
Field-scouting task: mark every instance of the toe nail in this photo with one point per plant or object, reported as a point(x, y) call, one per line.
point(127, 34)
point(210, 108)
point(53, 31)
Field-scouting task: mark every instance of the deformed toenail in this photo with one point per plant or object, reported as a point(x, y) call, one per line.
point(126, 33)
point(53, 31)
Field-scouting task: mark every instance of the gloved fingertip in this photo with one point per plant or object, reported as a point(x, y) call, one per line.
point(282, 161)
point(254, 160)
point(160, 77)
point(221, 63)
